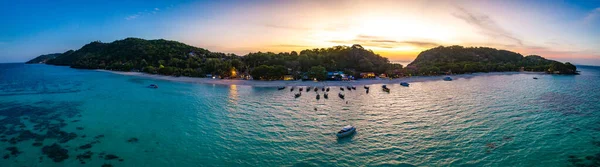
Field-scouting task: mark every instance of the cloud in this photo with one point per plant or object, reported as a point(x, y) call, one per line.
point(286, 27)
point(290, 46)
point(486, 25)
point(131, 17)
point(382, 42)
point(141, 14)
point(593, 15)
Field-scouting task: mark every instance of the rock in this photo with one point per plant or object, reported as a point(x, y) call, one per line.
point(6, 156)
point(56, 152)
point(133, 140)
point(37, 144)
point(85, 146)
point(79, 128)
point(85, 156)
point(110, 157)
point(99, 136)
point(13, 151)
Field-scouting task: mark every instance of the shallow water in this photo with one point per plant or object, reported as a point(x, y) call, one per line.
point(486, 120)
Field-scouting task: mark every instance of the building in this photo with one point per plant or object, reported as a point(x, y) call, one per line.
point(367, 75)
point(288, 78)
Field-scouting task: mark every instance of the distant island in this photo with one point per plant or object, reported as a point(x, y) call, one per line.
point(166, 57)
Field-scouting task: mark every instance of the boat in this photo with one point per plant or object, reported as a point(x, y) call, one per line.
point(323, 89)
point(300, 89)
point(385, 88)
point(366, 87)
point(327, 89)
point(281, 88)
point(326, 96)
point(346, 131)
point(316, 89)
point(354, 87)
point(349, 88)
point(298, 95)
point(447, 79)
point(154, 86)
point(404, 83)
point(535, 78)
point(367, 91)
point(292, 89)
point(318, 96)
point(308, 88)
point(341, 95)
point(341, 88)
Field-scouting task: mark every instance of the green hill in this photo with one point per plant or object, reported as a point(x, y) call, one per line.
point(458, 59)
point(43, 58)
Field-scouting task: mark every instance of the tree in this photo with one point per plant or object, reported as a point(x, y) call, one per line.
point(317, 72)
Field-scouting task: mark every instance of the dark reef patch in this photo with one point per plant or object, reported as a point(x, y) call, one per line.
point(56, 152)
point(133, 140)
point(110, 157)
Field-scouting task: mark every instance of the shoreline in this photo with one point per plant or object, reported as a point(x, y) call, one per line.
point(256, 83)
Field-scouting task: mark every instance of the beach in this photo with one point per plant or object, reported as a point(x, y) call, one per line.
point(257, 83)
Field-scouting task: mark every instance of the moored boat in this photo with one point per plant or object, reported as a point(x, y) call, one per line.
point(327, 90)
point(326, 96)
point(366, 87)
point(154, 86)
point(318, 96)
point(300, 89)
point(447, 79)
point(316, 89)
point(346, 131)
point(292, 89)
point(308, 89)
point(341, 88)
point(281, 88)
point(298, 95)
point(323, 89)
point(535, 78)
point(341, 95)
point(404, 83)
point(354, 87)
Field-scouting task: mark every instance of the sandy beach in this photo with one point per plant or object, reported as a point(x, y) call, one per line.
point(256, 83)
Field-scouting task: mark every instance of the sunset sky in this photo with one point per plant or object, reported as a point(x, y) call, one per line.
point(399, 30)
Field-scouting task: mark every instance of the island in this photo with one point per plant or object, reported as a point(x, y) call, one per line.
point(172, 58)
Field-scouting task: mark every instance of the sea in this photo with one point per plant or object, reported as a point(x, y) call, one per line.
point(59, 116)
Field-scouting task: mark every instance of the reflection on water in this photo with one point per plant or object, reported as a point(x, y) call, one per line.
point(233, 94)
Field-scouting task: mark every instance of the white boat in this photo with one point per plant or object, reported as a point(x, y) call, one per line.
point(447, 79)
point(404, 83)
point(346, 131)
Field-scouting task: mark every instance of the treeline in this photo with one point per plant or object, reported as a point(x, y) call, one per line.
point(174, 58)
point(458, 60)
point(178, 59)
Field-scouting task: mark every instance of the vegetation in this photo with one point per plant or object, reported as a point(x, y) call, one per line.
point(43, 58)
point(174, 58)
point(458, 60)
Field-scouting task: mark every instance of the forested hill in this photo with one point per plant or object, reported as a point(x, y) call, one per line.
point(175, 58)
point(43, 58)
point(458, 59)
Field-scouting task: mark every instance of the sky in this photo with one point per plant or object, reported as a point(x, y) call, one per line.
point(398, 29)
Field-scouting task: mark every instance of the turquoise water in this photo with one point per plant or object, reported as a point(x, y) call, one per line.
point(485, 120)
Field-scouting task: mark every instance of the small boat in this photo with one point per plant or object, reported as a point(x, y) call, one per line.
point(367, 91)
point(349, 88)
point(327, 89)
point(404, 83)
point(318, 96)
point(535, 78)
point(292, 89)
point(354, 87)
point(447, 79)
point(300, 89)
point(323, 89)
point(308, 88)
point(366, 87)
point(346, 131)
point(341, 95)
point(154, 86)
point(298, 95)
point(326, 96)
point(281, 88)
point(316, 89)
point(341, 88)
point(385, 88)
